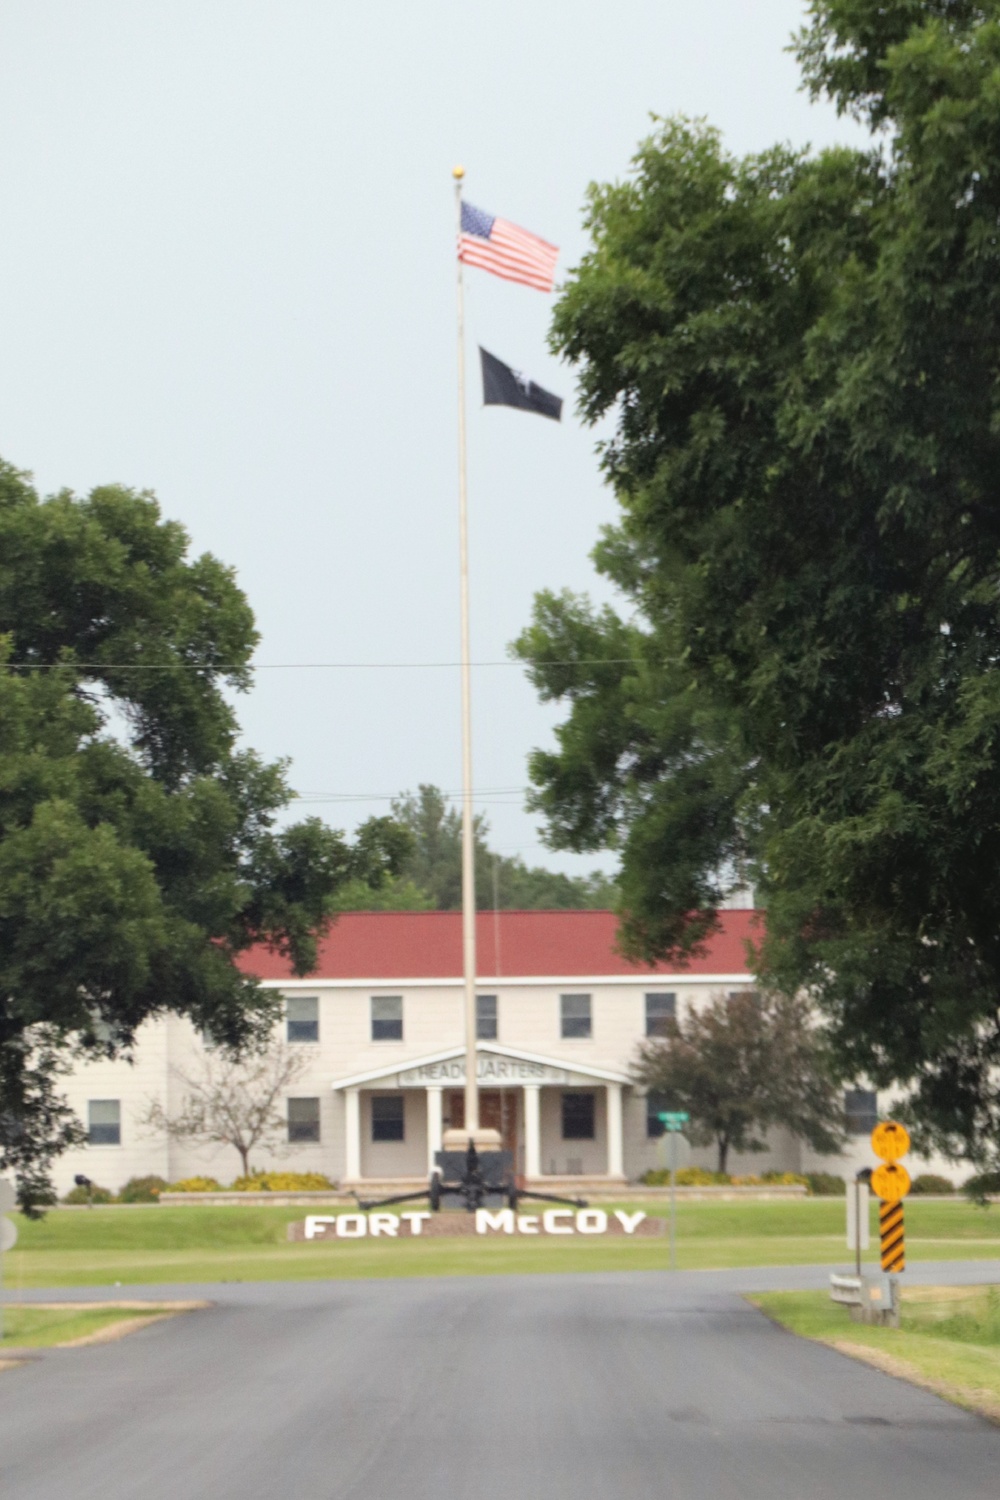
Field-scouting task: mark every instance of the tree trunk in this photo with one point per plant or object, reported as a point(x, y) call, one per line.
point(245, 1159)
point(723, 1143)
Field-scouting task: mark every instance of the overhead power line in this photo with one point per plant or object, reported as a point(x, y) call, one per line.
point(299, 666)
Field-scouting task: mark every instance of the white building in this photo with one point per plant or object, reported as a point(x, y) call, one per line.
point(380, 1027)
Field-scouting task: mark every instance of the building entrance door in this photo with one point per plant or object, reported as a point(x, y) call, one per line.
point(497, 1111)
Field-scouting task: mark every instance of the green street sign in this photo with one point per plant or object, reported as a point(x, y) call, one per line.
point(673, 1119)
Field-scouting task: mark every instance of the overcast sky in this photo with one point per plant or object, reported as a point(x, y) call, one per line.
point(227, 275)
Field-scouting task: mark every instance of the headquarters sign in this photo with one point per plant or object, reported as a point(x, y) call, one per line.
point(491, 1070)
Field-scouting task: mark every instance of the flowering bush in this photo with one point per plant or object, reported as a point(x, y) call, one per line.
point(687, 1177)
point(142, 1189)
point(282, 1182)
point(772, 1179)
point(196, 1185)
point(701, 1177)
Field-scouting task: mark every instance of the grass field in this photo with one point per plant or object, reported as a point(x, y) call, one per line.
point(948, 1339)
point(105, 1246)
point(43, 1327)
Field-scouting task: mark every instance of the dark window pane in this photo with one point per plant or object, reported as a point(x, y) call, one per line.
point(104, 1122)
point(302, 1012)
point(575, 1015)
point(387, 1117)
point(387, 1018)
point(486, 1018)
point(303, 1119)
point(654, 1125)
point(578, 1117)
point(861, 1109)
point(659, 1010)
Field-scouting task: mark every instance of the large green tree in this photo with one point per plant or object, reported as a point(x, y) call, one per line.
point(801, 356)
point(431, 872)
point(141, 849)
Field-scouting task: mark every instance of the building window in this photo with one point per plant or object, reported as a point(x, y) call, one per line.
point(578, 1117)
point(660, 1011)
point(654, 1125)
point(302, 1014)
point(861, 1109)
point(303, 1120)
point(387, 1117)
point(486, 1018)
point(104, 1122)
point(575, 1015)
point(387, 1019)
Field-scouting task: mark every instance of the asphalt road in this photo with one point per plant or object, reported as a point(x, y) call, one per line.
point(476, 1388)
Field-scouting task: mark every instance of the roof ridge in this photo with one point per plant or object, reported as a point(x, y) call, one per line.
point(483, 911)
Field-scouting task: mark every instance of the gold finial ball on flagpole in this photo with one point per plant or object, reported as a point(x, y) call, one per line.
point(458, 173)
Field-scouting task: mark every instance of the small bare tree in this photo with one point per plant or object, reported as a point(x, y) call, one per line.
point(232, 1101)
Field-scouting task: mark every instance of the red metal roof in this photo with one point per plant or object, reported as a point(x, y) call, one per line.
point(384, 945)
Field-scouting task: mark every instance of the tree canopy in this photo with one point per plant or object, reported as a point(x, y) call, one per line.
point(140, 846)
point(430, 874)
point(741, 1065)
point(799, 352)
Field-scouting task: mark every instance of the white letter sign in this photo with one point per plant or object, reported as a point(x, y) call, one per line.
point(352, 1226)
point(383, 1224)
point(629, 1222)
point(551, 1224)
point(504, 1220)
point(313, 1221)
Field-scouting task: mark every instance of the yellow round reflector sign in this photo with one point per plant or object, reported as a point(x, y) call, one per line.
point(890, 1140)
point(891, 1182)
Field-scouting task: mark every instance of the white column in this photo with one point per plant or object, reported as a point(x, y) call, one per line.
point(616, 1157)
point(435, 1095)
point(352, 1135)
point(532, 1131)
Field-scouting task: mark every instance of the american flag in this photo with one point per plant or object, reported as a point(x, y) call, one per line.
point(498, 246)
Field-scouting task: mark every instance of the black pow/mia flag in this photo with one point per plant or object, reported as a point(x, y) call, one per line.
point(503, 386)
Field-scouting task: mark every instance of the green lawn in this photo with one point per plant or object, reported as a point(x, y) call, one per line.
point(42, 1327)
point(185, 1243)
point(948, 1341)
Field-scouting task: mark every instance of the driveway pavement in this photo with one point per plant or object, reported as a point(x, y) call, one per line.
point(635, 1385)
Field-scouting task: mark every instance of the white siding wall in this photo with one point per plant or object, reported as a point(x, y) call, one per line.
point(529, 1021)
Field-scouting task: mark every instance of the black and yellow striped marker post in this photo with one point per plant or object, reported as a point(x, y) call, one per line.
point(891, 1181)
point(890, 1223)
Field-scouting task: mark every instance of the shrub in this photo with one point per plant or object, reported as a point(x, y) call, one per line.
point(196, 1185)
point(142, 1190)
point(982, 1187)
point(825, 1185)
point(686, 1177)
point(701, 1177)
point(282, 1182)
point(93, 1194)
point(931, 1182)
point(771, 1179)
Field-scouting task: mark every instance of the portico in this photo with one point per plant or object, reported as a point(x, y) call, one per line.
point(558, 1117)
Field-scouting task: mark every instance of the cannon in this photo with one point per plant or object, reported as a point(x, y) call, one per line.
point(472, 1179)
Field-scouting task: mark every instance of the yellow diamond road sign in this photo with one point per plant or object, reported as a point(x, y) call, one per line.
point(891, 1182)
point(890, 1140)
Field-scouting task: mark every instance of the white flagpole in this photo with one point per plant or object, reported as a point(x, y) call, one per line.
point(468, 828)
